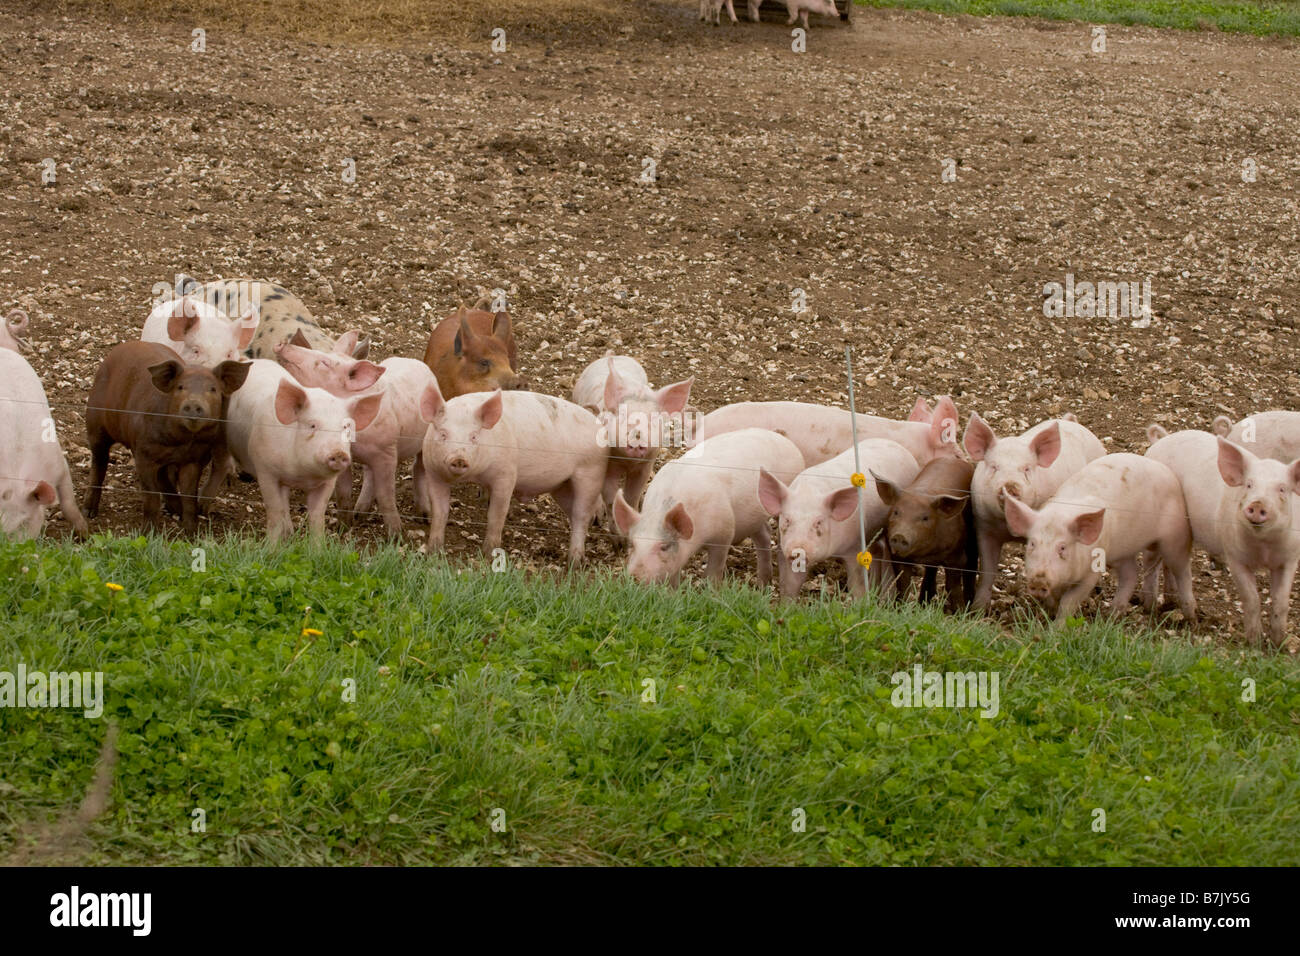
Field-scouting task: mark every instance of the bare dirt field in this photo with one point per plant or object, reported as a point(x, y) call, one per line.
point(775, 171)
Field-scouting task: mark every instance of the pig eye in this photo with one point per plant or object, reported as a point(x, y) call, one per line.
point(1060, 551)
point(485, 365)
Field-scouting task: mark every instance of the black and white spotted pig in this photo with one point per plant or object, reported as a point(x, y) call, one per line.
point(282, 316)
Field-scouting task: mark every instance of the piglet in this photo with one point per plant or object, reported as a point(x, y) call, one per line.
point(822, 432)
point(1030, 467)
point(707, 499)
point(172, 417)
point(818, 512)
point(637, 420)
point(801, 8)
point(11, 331)
point(198, 331)
point(473, 351)
point(518, 444)
point(1273, 434)
point(290, 437)
point(395, 435)
point(1112, 510)
point(34, 474)
point(1242, 511)
point(931, 525)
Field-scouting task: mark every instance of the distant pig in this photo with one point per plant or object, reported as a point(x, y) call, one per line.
point(280, 316)
point(395, 435)
point(34, 474)
point(473, 351)
point(711, 10)
point(634, 419)
point(817, 512)
point(1103, 517)
point(11, 331)
point(801, 8)
point(290, 437)
point(1030, 467)
point(822, 432)
point(1242, 511)
point(1273, 434)
point(199, 332)
point(171, 415)
point(931, 525)
point(518, 444)
point(708, 500)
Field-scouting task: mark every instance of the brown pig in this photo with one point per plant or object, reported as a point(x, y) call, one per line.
point(172, 417)
point(931, 524)
point(473, 351)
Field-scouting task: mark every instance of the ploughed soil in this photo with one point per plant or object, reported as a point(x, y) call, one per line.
point(774, 171)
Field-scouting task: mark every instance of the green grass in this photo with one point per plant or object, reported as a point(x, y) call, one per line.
point(477, 691)
point(1262, 19)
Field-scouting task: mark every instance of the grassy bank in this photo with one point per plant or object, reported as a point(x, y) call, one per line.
point(479, 692)
point(1262, 19)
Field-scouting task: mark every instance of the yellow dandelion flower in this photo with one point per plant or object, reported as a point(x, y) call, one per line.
point(112, 587)
point(311, 632)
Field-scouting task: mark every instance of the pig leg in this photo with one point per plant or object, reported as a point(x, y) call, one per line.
point(638, 476)
point(1280, 580)
point(717, 565)
point(366, 499)
point(383, 469)
point(149, 474)
point(498, 507)
point(929, 584)
point(343, 497)
point(438, 505)
point(1073, 598)
point(753, 6)
point(318, 500)
point(785, 575)
point(1245, 581)
point(1152, 569)
point(68, 504)
point(187, 482)
point(990, 549)
point(100, 444)
point(1126, 573)
point(731, 12)
point(275, 499)
point(803, 19)
point(763, 552)
point(222, 465)
point(420, 482)
point(1178, 567)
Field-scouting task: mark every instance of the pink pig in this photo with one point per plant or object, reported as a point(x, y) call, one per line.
point(34, 474)
point(822, 432)
point(801, 9)
point(818, 512)
point(1273, 434)
point(291, 437)
point(11, 331)
point(198, 331)
point(1242, 512)
point(1030, 467)
point(635, 418)
point(707, 499)
point(1106, 514)
point(513, 444)
point(395, 435)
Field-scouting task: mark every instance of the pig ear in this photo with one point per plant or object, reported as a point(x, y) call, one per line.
point(887, 490)
point(299, 339)
point(920, 411)
point(245, 330)
point(1087, 527)
point(1046, 445)
point(185, 315)
point(679, 522)
point(1155, 432)
point(465, 336)
point(614, 390)
point(979, 438)
point(771, 492)
point(365, 409)
point(431, 403)
point(489, 413)
point(1020, 517)
point(501, 326)
point(165, 374)
point(231, 375)
point(347, 342)
point(362, 349)
point(673, 398)
point(1293, 472)
point(364, 375)
point(1070, 417)
point(290, 400)
point(943, 423)
point(1232, 463)
point(950, 505)
point(44, 493)
point(625, 516)
point(1222, 426)
point(843, 503)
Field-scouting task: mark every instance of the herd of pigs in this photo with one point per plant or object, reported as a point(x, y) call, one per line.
point(270, 395)
point(711, 10)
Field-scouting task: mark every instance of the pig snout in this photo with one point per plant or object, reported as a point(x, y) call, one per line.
point(900, 543)
point(514, 384)
point(458, 465)
point(1040, 589)
point(1012, 488)
point(1257, 512)
point(338, 459)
